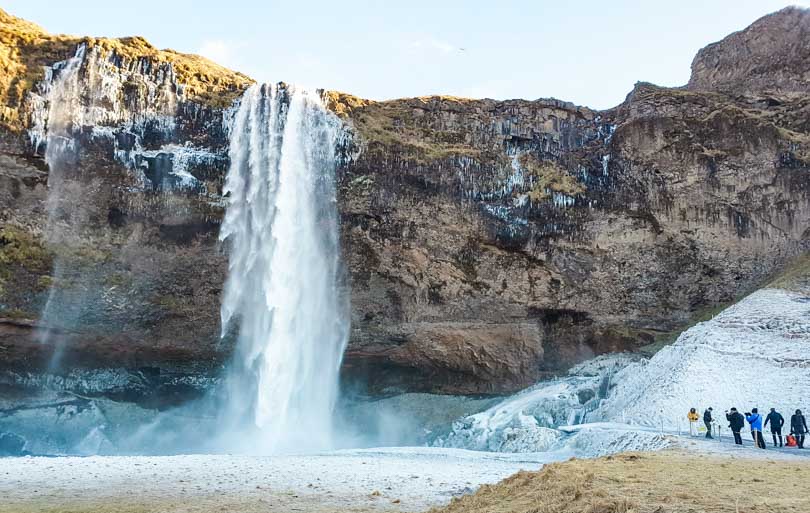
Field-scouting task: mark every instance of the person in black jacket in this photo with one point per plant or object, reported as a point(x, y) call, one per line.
point(798, 427)
point(707, 420)
point(777, 421)
point(736, 422)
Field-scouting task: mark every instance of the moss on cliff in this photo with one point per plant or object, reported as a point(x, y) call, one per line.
point(21, 251)
point(205, 81)
point(548, 176)
point(699, 118)
point(796, 275)
point(25, 48)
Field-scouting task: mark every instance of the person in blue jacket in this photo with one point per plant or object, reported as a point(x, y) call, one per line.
point(755, 421)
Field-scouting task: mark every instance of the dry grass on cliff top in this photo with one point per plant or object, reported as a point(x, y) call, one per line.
point(397, 124)
point(25, 48)
point(664, 482)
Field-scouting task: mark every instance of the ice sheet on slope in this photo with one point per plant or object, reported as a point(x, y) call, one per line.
point(754, 354)
point(527, 421)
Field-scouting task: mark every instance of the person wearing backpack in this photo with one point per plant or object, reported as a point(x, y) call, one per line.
point(798, 427)
point(755, 421)
point(736, 422)
point(777, 421)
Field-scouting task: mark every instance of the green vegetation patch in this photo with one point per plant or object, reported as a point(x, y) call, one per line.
point(796, 275)
point(20, 250)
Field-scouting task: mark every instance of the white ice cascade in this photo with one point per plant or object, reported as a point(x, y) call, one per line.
point(283, 280)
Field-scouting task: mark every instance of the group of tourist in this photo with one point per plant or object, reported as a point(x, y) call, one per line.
point(736, 421)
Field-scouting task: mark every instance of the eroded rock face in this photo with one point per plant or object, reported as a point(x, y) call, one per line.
point(773, 54)
point(487, 244)
point(111, 272)
point(567, 233)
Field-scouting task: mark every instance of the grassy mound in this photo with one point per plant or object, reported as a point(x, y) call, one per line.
point(664, 482)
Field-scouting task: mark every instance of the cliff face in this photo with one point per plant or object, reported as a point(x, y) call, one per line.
point(512, 239)
point(110, 182)
point(773, 54)
point(487, 243)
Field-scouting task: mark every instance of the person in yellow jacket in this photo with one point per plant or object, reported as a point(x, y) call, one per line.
point(693, 418)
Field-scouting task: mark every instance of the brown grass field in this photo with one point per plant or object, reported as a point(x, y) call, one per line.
point(663, 482)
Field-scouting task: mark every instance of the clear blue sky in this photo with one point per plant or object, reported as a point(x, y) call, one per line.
point(588, 52)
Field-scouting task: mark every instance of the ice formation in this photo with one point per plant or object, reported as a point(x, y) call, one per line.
point(753, 354)
point(91, 95)
point(529, 420)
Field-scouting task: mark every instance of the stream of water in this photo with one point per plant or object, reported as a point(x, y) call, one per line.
point(282, 291)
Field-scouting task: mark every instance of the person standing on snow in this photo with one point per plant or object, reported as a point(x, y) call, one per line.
point(798, 427)
point(736, 422)
point(707, 419)
point(693, 418)
point(777, 421)
point(755, 421)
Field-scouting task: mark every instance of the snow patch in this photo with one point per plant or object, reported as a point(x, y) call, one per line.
point(753, 354)
point(598, 441)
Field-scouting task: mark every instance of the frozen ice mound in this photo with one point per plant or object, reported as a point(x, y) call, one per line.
point(753, 354)
point(595, 440)
point(528, 421)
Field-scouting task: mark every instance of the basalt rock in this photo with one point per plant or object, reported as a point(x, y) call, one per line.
point(487, 243)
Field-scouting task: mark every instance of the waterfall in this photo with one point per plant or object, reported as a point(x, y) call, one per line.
point(56, 126)
point(282, 292)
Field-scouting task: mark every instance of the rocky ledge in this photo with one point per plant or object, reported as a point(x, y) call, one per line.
point(487, 243)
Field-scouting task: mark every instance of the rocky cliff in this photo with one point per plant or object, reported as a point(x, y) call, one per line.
point(487, 243)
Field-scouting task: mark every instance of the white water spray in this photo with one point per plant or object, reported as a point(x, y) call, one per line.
point(57, 127)
point(282, 289)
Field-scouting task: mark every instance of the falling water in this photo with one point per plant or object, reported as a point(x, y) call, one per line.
point(57, 128)
point(282, 290)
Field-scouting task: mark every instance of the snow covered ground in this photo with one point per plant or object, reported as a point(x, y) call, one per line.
point(392, 479)
point(405, 479)
point(753, 354)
